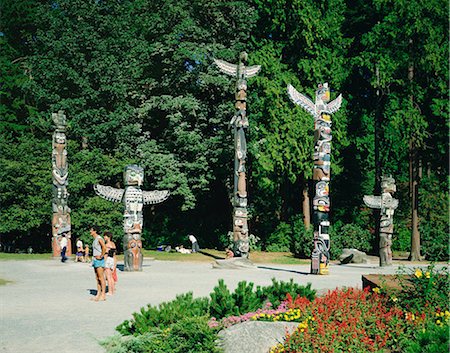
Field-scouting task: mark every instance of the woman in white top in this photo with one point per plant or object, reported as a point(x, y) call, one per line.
point(110, 262)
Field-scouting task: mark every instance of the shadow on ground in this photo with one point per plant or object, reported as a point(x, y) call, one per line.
point(282, 269)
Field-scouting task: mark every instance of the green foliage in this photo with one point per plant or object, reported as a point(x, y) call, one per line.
point(137, 81)
point(280, 239)
point(277, 291)
point(302, 238)
point(432, 339)
point(427, 287)
point(222, 302)
point(349, 236)
point(165, 314)
point(435, 225)
point(189, 334)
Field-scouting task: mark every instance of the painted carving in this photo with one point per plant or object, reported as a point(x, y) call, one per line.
point(321, 110)
point(60, 171)
point(134, 199)
point(239, 122)
point(388, 205)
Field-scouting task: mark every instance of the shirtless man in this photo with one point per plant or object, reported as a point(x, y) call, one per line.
point(98, 262)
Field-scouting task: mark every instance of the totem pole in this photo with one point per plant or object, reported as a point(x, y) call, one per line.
point(321, 111)
point(61, 211)
point(387, 204)
point(239, 122)
point(134, 199)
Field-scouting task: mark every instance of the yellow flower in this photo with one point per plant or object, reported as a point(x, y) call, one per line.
point(376, 290)
point(427, 274)
point(438, 321)
point(394, 299)
point(418, 273)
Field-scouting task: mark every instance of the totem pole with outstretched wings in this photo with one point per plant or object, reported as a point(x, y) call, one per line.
point(134, 199)
point(321, 110)
point(239, 122)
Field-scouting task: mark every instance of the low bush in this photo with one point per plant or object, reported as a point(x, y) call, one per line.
point(428, 287)
point(302, 238)
point(281, 238)
point(245, 299)
point(349, 236)
point(165, 314)
point(188, 335)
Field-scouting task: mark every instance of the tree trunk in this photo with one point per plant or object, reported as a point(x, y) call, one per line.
point(306, 207)
point(413, 184)
point(414, 188)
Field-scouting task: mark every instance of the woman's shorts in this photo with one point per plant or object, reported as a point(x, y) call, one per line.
point(109, 262)
point(98, 263)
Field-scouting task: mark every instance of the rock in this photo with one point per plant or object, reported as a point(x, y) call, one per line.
point(353, 256)
point(233, 263)
point(254, 336)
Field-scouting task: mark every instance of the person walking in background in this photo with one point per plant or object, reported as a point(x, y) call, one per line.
point(80, 251)
point(195, 247)
point(110, 262)
point(98, 262)
point(63, 245)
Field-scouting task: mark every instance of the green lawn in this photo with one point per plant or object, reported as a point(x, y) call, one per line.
point(8, 256)
point(206, 255)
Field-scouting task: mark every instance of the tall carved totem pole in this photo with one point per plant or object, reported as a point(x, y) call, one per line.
point(387, 204)
point(239, 122)
point(60, 171)
point(134, 199)
point(321, 110)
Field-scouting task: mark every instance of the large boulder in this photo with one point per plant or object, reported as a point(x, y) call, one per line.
point(254, 336)
point(353, 256)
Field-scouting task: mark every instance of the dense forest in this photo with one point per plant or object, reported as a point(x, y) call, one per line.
point(137, 82)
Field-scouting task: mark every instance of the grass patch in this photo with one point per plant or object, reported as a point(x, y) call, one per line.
point(9, 256)
point(4, 281)
point(208, 255)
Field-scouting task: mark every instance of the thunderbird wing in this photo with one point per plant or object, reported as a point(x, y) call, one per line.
point(154, 197)
point(301, 100)
point(109, 193)
point(334, 106)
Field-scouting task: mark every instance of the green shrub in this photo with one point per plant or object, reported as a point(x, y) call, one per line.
point(277, 291)
point(222, 302)
point(164, 314)
point(434, 212)
point(401, 240)
point(349, 236)
point(128, 344)
point(281, 238)
point(302, 239)
point(244, 299)
point(188, 335)
point(433, 339)
point(424, 288)
point(434, 241)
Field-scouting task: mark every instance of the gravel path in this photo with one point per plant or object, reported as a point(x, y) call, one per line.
point(46, 308)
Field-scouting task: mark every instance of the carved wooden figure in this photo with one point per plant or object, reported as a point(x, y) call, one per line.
point(134, 199)
point(321, 110)
point(239, 122)
point(388, 205)
point(60, 172)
